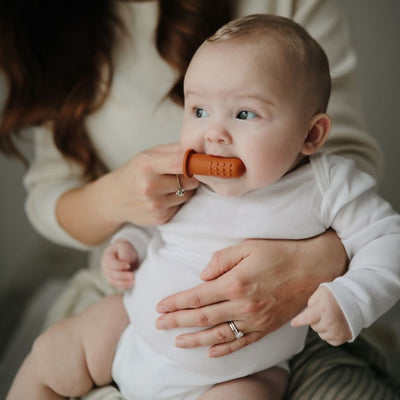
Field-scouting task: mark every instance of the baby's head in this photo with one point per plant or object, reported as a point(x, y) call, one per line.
point(258, 90)
point(303, 61)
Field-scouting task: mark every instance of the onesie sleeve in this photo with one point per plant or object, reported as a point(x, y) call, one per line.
point(370, 232)
point(49, 176)
point(138, 237)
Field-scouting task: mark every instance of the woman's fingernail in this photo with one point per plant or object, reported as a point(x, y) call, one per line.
point(180, 342)
point(204, 274)
point(161, 308)
point(212, 352)
point(161, 323)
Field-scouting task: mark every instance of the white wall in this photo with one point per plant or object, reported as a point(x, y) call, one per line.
point(376, 32)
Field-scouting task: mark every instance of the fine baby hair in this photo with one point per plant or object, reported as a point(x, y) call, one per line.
point(309, 61)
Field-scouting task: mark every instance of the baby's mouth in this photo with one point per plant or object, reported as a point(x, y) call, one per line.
point(204, 164)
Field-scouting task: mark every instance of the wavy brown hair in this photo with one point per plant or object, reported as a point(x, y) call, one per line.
point(54, 56)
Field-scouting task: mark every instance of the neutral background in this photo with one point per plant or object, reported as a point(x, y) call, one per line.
point(31, 266)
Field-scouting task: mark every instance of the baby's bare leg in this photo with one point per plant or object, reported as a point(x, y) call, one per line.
point(72, 356)
point(265, 385)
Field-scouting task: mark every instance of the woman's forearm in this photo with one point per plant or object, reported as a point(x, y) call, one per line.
point(320, 259)
point(324, 257)
point(141, 192)
point(82, 213)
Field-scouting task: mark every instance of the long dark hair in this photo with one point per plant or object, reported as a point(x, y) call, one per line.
point(57, 55)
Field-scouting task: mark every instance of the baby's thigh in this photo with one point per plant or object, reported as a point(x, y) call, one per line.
point(269, 384)
point(81, 348)
point(101, 326)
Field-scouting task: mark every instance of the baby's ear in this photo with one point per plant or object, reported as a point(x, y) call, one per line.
point(320, 126)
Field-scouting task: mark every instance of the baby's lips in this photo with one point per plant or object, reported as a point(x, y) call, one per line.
point(204, 164)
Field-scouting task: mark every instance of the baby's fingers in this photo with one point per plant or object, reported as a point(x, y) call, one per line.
point(307, 317)
point(122, 282)
point(121, 279)
point(119, 266)
point(125, 252)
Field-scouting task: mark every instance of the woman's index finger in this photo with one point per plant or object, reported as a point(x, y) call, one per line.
point(197, 297)
point(168, 162)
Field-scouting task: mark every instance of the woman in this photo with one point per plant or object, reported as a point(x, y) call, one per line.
point(101, 89)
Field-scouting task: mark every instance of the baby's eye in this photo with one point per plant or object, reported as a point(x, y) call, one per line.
point(246, 115)
point(200, 113)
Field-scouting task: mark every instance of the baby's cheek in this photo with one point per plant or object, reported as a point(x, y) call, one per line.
point(258, 177)
point(189, 141)
point(183, 140)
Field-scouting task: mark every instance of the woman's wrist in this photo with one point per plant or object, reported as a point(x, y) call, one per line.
point(327, 256)
point(86, 212)
point(320, 259)
point(107, 204)
point(310, 262)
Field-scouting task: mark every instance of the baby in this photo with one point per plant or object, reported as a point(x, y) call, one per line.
point(256, 91)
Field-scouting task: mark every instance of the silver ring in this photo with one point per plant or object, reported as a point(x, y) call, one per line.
point(238, 334)
point(180, 192)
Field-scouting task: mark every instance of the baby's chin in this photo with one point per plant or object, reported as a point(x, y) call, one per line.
point(223, 187)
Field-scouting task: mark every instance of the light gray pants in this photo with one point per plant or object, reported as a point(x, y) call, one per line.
point(354, 371)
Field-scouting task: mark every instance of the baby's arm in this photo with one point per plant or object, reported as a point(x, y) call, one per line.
point(127, 250)
point(118, 262)
point(370, 232)
point(325, 317)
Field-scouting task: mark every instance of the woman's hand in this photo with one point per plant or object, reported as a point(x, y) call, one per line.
point(258, 284)
point(142, 192)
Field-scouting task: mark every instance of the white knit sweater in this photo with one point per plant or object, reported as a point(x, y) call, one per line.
point(135, 116)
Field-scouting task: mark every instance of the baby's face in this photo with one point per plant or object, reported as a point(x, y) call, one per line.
point(241, 101)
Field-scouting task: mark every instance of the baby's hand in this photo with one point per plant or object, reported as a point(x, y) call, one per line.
point(118, 262)
point(325, 317)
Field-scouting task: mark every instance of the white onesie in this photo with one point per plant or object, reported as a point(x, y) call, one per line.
point(326, 192)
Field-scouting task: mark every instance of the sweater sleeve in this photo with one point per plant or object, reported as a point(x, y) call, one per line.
point(370, 232)
point(49, 176)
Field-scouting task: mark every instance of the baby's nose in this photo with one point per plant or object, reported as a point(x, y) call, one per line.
point(218, 135)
